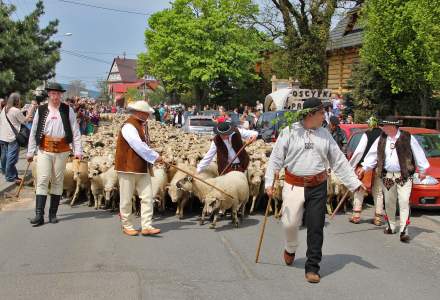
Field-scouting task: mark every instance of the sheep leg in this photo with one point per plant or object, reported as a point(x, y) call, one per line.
point(75, 195)
point(251, 211)
point(179, 201)
point(182, 206)
point(202, 218)
point(95, 197)
point(235, 217)
point(214, 222)
point(243, 208)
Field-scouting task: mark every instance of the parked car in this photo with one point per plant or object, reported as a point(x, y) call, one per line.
point(199, 125)
point(270, 124)
point(210, 113)
point(349, 129)
point(422, 195)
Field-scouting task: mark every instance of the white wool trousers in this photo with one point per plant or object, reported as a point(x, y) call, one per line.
point(377, 194)
point(128, 184)
point(50, 168)
point(291, 214)
point(394, 194)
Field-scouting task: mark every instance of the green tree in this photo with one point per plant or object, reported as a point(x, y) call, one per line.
point(102, 86)
point(304, 38)
point(196, 43)
point(27, 55)
point(401, 44)
point(159, 95)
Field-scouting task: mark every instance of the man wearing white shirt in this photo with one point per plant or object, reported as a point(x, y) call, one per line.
point(367, 140)
point(396, 154)
point(226, 144)
point(134, 160)
point(54, 128)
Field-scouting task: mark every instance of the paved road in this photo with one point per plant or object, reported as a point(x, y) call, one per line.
point(86, 256)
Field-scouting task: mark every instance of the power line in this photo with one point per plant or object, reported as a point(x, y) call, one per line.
point(105, 8)
point(85, 56)
point(103, 53)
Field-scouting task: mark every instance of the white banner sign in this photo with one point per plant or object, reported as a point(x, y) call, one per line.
point(306, 93)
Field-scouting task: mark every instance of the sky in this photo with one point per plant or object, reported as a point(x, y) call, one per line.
point(96, 33)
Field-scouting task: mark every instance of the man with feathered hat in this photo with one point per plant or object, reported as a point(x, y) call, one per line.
point(395, 155)
point(303, 149)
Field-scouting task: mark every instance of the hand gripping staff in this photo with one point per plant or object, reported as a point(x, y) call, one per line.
point(236, 155)
point(263, 226)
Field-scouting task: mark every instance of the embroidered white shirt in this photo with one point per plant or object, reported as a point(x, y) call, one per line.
point(131, 135)
point(54, 128)
point(209, 156)
point(391, 158)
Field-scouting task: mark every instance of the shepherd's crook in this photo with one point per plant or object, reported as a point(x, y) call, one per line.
point(339, 204)
point(22, 182)
point(198, 178)
point(263, 226)
point(236, 155)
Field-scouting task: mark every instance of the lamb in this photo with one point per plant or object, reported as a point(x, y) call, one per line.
point(255, 178)
point(158, 185)
point(235, 184)
point(81, 178)
point(179, 195)
point(103, 185)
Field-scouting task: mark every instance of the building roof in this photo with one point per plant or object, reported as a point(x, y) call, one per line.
point(347, 33)
point(126, 68)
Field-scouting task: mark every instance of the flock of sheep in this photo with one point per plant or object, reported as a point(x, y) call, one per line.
point(96, 178)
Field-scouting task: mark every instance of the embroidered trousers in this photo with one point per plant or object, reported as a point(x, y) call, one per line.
point(397, 193)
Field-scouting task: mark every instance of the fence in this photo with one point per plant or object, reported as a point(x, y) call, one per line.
point(423, 119)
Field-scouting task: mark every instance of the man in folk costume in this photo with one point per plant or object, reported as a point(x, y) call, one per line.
point(134, 163)
point(373, 180)
point(54, 128)
point(305, 149)
point(226, 144)
point(396, 154)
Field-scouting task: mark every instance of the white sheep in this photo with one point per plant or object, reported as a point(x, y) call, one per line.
point(177, 194)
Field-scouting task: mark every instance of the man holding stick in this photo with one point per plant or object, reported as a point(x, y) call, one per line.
point(227, 144)
point(133, 162)
point(303, 149)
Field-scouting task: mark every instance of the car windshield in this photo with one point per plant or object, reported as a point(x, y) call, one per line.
point(430, 143)
point(201, 122)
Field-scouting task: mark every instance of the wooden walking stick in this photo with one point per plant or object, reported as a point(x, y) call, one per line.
point(22, 182)
point(198, 178)
point(339, 204)
point(236, 155)
point(263, 226)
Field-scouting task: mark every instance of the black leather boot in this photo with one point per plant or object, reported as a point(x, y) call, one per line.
point(39, 210)
point(53, 209)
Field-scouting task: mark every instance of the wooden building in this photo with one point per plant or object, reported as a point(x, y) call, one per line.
point(122, 76)
point(343, 51)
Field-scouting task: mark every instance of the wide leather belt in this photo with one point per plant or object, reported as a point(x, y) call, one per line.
point(54, 145)
point(305, 181)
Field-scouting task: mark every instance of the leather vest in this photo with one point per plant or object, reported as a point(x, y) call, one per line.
point(126, 159)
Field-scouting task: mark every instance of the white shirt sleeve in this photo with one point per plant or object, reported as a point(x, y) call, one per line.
point(277, 157)
point(419, 155)
point(370, 160)
point(32, 144)
point(76, 142)
point(209, 156)
point(130, 134)
point(359, 151)
point(246, 133)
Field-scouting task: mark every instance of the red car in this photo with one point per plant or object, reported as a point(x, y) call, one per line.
point(422, 195)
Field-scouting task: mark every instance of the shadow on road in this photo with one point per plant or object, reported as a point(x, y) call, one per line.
point(96, 214)
point(333, 263)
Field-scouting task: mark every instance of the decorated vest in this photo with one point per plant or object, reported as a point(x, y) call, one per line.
point(222, 151)
point(43, 112)
point(404, 153)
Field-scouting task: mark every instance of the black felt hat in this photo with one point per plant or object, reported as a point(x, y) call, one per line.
point(313, 103)
point(55, 86)
point(391, 120)
point(224, 128)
